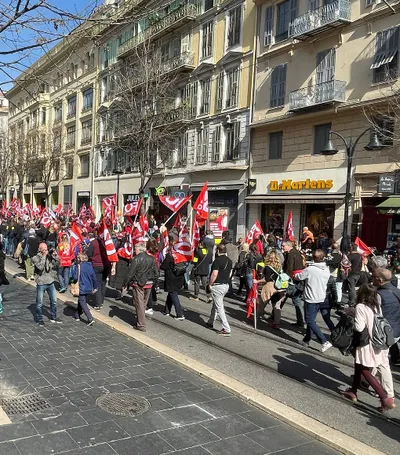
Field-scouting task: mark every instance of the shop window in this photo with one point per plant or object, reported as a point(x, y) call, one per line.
point(275, 146)
point(320, 219)
point(321, 137)
point(385, 128)
point(272, 218)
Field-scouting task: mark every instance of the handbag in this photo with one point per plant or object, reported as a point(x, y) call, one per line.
point(74, 286)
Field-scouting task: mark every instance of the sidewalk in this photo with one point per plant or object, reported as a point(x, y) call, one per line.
point(63, 369)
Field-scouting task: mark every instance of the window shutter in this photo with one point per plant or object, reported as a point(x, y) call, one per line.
point(274, 87)
point(282, 85)
point(236, 139)
point(269, 24)
point(326, 66)
point(293, 9)
point(217, 144)
point(185, 43)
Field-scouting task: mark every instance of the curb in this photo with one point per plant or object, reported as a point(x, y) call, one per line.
point(319, 431)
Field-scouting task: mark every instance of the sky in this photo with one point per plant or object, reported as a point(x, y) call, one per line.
point(41, 25)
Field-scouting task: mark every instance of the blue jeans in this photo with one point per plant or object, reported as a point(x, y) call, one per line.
point(310, 312)
point(326, 315)
point(11, 247)
point(51, 291)
point(63, 276)
point(5, 244)
point(297, 302)
point(173, 299)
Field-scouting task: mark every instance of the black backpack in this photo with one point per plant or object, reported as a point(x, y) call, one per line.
point(342, 335)
point(179, 269)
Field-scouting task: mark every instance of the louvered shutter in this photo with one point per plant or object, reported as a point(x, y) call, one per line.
point(268, 25)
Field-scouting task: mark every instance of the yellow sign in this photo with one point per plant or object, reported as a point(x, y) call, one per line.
point(289, 185)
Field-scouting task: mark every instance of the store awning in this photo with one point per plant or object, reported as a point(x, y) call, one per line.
point(391, 206)
point(296, 199)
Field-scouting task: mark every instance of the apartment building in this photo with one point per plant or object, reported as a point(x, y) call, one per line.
point(50, 126)
point(4, 154)
point(324, 66)
point(207, 48)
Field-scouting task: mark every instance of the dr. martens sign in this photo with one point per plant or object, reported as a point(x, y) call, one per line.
point(290, 185)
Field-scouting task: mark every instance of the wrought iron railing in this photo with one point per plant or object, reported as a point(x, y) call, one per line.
point(332, 12)
point(317, 94)
point(188, 10)
point(185, 58)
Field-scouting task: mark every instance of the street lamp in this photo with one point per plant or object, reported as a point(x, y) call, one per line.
point(118, 171)
point(373, 145)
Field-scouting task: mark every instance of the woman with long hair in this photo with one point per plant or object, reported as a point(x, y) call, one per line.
point(273, 268)
point(366, 356)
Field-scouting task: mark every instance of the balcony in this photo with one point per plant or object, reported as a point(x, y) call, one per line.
point(172, 21)
point(172, 116)
point(182, 62)
point(316, 95)
point(70, 144)
point(319, 20)
point(86, 141)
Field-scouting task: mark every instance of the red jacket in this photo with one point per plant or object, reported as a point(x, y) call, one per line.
point(66, 255)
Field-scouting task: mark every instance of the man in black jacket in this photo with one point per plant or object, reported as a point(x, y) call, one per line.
point(354, 274)
point(294, 261)
point(142, 273)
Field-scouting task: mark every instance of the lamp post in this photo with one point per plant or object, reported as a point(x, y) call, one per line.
point(373, 145)
point(118, 171)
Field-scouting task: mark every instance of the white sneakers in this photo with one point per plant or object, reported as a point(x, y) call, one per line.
point(149, 311)
point(326, 346)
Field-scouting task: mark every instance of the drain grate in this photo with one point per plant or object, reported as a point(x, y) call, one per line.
point(123, 404)
point(24, 404)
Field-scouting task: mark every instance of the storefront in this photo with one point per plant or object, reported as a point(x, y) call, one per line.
point(316, 200)
point(82, 197)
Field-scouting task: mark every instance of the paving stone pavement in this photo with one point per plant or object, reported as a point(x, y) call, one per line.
point(70, 365)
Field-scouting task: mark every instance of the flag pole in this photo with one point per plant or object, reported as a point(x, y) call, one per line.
point(170, 218)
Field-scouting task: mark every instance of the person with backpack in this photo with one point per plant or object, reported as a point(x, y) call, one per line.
point(294, 262)
point(274, 290)
point(354, 274)
point(203, 258)
point(173, 281)
point(316, 277)
point(87, 283)
point(366, 355)
point(30, 249)
point(142, 274)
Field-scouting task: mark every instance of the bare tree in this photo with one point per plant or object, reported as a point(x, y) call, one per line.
point(145, 117)
point(4, 159)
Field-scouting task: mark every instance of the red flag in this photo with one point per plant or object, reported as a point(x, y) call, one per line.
point(109, 202)
point(59, 210)
point(251, 300)
point(195, 233)
point(104, 233)
point(362, 248)
point(75, 234)
point(174, 203)
point(178, 221)
point(254, 232)
point(46, 219)
point(127, 250)
point(144, 223)
point(289, 227)
point(183, 248)
point(132, 209)
point(166, 242)
point(69, 210)
point(201, 204)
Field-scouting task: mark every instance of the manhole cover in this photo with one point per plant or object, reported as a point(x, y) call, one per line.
point(123, 404)
point(24, 404)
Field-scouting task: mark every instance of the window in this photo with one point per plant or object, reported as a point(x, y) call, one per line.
point(205, 96)
point(207, 43)
point(287, 12)
point(233, 85)
point(84, 165)
point(326, 66)
point(385, 63)
point(202, 146)
point(369, 3)
point(69, 168)
point(233, 142)
point(58, 113)
point(183, 142)
point(321, 137)
point(216, 156)
point(86, 132)
point(268, 25)
point(44, 116)
point(71, 136)
point(384, 125)
point(235, 24)
point(87, 100)
point(71, 112)
point(193, 99)
point(220, 90)
point(208, 4)
point(313, 5)
point(67, 196)
point(278, 86)
point(104, 90)
point(275, 146)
